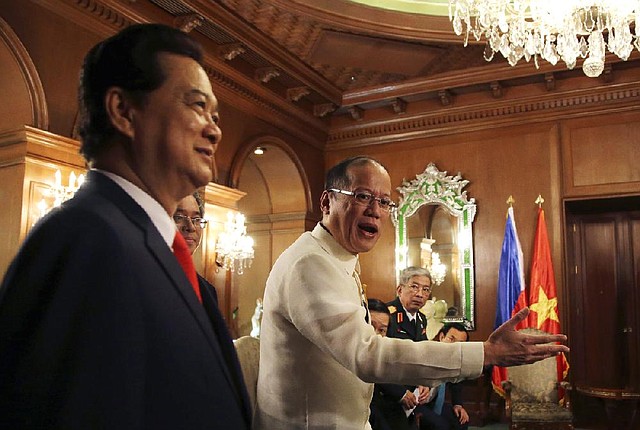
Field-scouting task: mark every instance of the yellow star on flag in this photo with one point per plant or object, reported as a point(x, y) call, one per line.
point(545, 308)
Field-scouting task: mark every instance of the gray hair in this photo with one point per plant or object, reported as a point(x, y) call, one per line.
point(410, 272)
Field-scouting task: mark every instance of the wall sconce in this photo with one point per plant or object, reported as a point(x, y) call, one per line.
point(234, 249)
point(59, 193)
point(259, 150)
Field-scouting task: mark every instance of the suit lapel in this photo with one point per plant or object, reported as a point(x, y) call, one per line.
point(162, 253)
point(167, 260)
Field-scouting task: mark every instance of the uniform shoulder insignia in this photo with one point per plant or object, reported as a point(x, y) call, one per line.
point(392, 309)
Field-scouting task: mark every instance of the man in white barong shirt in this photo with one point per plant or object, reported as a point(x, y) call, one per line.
point(319, 356)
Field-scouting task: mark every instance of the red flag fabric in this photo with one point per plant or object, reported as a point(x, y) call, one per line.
point(543, 297)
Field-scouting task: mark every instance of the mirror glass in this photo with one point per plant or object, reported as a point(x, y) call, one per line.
point(433, 225)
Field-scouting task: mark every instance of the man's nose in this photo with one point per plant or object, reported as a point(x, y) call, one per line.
point(373, 209)
point(188, 225)
point(212, 131)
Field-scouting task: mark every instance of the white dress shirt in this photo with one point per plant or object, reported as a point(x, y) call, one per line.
point(318, 356)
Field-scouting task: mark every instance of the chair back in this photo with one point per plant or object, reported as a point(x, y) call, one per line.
point(248, 350)
point(535, 382)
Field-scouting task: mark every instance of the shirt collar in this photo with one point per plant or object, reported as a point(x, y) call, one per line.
point(411, 317)
point(159, 217)
point(347, 260)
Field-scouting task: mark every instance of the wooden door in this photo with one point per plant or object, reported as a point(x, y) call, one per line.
point(603, 262)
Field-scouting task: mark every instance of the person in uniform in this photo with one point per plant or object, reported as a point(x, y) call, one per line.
point(406, 322)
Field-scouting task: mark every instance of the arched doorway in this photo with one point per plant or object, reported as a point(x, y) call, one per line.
point(277, 206)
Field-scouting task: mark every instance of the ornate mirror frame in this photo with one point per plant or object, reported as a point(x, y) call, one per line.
point(435, 187)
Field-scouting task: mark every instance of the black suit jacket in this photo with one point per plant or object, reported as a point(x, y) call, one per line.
point(204, 284)
point(99, 327)
point(387, 396)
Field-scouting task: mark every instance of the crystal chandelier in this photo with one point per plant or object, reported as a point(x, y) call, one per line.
point(59, 193)
point(550, 29)
point(437, 269)
point(234, 249)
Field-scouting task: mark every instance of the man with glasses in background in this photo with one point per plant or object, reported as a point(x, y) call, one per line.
point(319, 354)
point(190, 221)
point(406, 322)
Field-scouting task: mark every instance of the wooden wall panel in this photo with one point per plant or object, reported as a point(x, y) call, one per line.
point(601, 155)
point(56, 47)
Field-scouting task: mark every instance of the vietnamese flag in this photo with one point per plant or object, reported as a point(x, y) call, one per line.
point(543, 297)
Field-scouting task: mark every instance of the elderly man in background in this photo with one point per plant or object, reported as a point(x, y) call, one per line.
point(407, 322)
point(319, 356)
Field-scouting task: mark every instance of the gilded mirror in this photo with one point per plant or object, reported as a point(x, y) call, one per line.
point(433, 224)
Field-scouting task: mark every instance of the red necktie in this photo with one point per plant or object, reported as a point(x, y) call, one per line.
point(181, 251)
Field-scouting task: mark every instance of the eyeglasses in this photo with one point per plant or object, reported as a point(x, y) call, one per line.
point(415, 288)
point(367, 199)
point(198, 222)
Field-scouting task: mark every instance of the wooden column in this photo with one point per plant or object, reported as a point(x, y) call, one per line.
point(29, 158)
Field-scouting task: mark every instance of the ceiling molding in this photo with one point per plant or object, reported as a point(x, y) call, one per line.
point(375, 21)
point(458, 78)
point(570, 104)
point(262, 45)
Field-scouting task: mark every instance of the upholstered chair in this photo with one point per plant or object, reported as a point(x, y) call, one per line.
point(248, 350)
point(531, 396)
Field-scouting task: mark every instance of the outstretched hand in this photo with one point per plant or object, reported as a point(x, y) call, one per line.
point(508, 347)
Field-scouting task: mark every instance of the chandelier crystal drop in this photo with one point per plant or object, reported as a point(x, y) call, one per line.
point(437, 270)
point(551, 29)
point(234, 249)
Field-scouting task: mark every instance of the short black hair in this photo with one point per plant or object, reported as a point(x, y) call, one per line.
point(448, 326)
point(376, 305)
point(128, 60)
point(338, 176)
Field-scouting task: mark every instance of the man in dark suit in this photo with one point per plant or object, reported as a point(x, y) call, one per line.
point(100, 326)
point(190, 221)
point(406, 322)
point(438, 414)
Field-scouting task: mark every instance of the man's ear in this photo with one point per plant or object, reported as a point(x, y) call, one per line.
point(119, 110)
point(324, 203)
point(398, 288)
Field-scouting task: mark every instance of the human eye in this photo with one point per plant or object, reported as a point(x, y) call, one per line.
point(363, 197)
point(179, 218)
point(385, 202)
